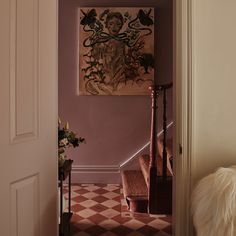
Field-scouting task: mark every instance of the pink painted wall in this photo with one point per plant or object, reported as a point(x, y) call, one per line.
point(115, 127)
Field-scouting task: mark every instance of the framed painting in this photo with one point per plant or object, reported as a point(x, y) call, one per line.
point(116, 51)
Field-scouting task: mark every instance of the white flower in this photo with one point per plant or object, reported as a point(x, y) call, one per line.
point(64, 142)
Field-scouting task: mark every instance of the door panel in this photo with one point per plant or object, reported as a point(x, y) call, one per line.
point(25, 206)
point(28, 117)
point(24, 73)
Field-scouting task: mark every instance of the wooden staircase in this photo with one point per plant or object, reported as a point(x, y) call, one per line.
point(149, 190)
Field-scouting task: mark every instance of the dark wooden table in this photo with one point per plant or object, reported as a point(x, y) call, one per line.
point(63, 173)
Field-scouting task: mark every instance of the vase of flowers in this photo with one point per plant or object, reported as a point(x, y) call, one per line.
point(66, 139)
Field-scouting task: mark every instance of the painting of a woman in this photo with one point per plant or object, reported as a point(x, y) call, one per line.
point(112, 52)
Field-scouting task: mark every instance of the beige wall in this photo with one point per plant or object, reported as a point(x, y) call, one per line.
point(214, 85)
point(205, 81)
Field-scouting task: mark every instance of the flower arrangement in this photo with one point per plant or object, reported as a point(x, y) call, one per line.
point(66, 139)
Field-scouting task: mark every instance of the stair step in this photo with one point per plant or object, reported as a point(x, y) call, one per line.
point(135, 190)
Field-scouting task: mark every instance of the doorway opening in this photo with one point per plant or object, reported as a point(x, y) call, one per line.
point(116, 128)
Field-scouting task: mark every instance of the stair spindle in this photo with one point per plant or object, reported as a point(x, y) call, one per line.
point(164, 152)
point(153, 145)
point(152, 191)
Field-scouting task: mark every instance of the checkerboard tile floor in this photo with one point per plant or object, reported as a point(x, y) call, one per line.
point(100, 210)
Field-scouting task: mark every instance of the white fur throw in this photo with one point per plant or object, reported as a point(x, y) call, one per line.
point(214, 204)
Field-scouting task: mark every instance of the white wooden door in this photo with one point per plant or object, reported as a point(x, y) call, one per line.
point(28, 117)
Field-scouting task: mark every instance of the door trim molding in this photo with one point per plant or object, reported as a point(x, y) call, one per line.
point(184, 98)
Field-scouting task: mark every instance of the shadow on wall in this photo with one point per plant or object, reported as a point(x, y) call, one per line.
point(115, 127)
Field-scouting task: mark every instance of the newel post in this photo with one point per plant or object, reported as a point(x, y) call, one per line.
point(152, 191)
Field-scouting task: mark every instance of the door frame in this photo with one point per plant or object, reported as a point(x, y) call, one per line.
point(184, 115)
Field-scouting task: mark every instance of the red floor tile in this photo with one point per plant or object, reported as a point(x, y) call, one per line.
point(106, 214)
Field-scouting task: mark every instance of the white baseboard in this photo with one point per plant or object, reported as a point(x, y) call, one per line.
point(95, 174)
point(96, 168)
